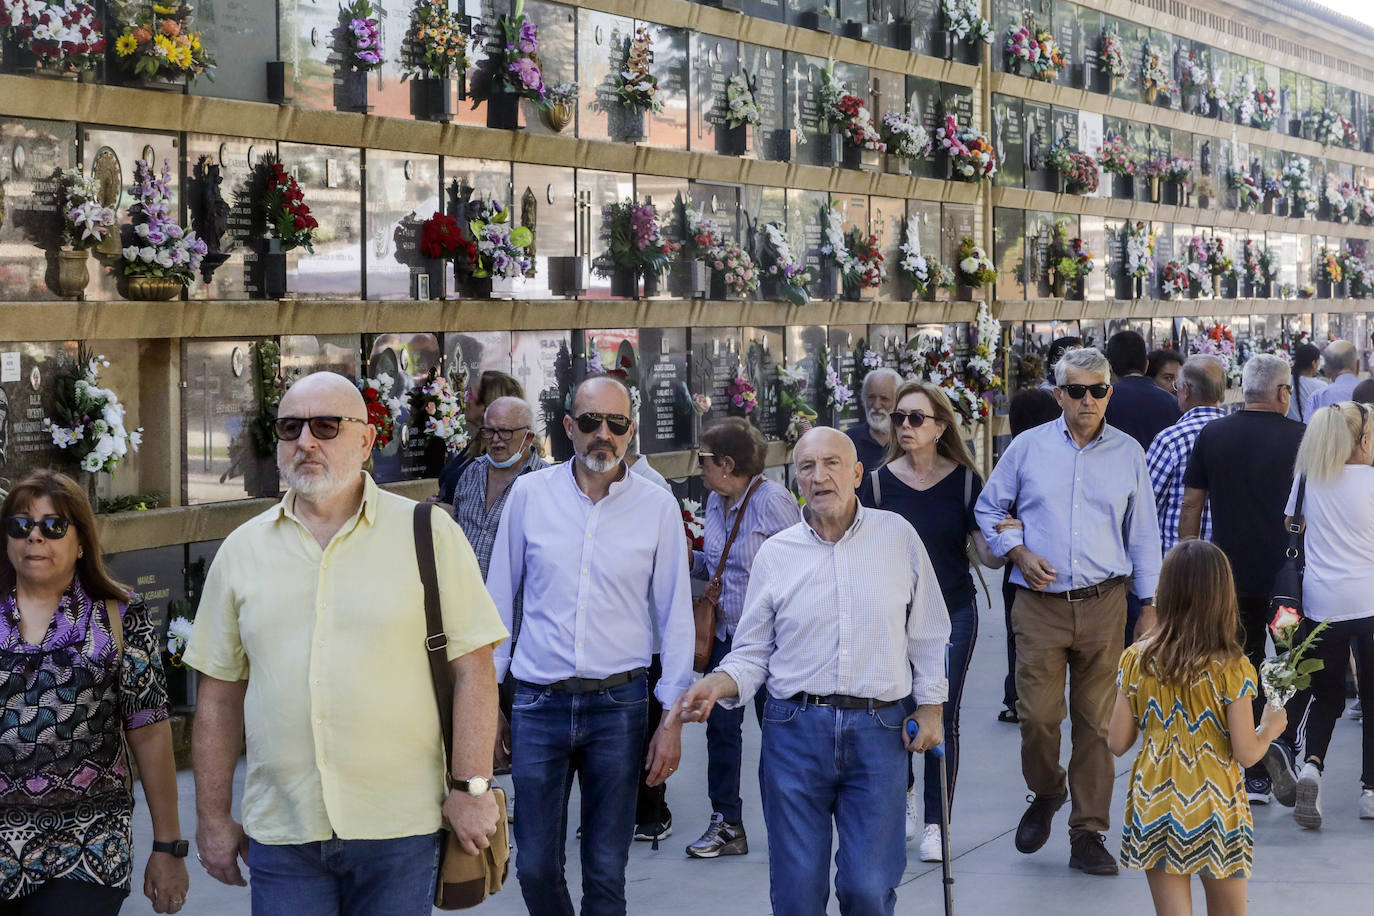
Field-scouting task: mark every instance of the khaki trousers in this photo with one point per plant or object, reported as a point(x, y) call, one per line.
point(1084, 639)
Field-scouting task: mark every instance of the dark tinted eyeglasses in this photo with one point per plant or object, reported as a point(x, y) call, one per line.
point(900, 417)
point(1076, 392)
point(289, 428)
point(589, 422)
point(52, 529)
point(702, 456)
point(495, 432)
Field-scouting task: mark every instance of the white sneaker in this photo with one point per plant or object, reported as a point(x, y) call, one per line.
point(913, 814)
point(1367, 805)
point(1308, 808)
point(931, 847)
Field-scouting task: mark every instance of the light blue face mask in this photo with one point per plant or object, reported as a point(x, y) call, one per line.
point(509, 462)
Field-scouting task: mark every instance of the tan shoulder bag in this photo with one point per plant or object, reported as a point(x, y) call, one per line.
point(704, 608)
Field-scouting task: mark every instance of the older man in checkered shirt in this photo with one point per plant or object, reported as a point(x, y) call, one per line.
point(1200, 389)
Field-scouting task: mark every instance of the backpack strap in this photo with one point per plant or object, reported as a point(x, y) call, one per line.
point(877, 489)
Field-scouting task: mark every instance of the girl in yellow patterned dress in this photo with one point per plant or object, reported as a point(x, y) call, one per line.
point(1187, 688)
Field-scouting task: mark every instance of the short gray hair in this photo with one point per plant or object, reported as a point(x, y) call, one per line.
point(1206, 374)
point(1340, 356)
point(1084, 359)
point(1262, 376)
point(881, 372)
point(519, 405)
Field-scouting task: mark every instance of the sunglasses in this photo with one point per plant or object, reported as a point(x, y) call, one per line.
point(589, 422)
point(1076, 392)
point(289, 428)
point(901, 417)
point(496, 432)
point(52, 529)
point(702, 456)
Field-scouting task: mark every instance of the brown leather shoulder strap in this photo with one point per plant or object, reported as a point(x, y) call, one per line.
point(436, 642)
point(116, 624)
point(725, 554)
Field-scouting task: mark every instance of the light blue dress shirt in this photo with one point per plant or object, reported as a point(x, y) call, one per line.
point(1339, 390)
point(1089, 511)
point(593, 574)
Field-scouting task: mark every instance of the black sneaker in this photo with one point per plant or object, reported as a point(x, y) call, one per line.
point(1089, 854)
point(1034, 828)
point(654, 830)
point(1257, 789)
point(1283, 772)
point(720, 839)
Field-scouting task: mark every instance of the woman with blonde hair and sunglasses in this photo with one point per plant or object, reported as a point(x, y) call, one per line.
point(79, 677)
point(929, 479)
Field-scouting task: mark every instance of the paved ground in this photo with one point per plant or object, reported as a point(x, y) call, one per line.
point(1295, 870)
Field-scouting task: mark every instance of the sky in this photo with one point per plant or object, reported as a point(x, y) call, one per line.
point(1363, 10)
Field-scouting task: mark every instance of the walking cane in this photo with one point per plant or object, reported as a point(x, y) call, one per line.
point(946, 872)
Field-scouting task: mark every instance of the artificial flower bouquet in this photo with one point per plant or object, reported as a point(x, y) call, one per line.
point(868, 270)
point(88, 420)
point(1267, 109)
point(359, 37)
point(516, 67)
point(383, 408)
point(635, 84)
point(1111, 57)
point(835, 244)
point(437, 412)
point(844, 110)
point(161, 248)
point(912, 264)
point(975, 267)
point(905, 137)
point(1034, 48)
point(436, 42)
point(1138, 245)
point(638, 244)
point(85, 221)
point(971, 156)
point(693, 524)
point(962, 19)
point(1115, 156)
point(1078, 169)
point(741, 108)
point(781, 267)
point(502, 248)
point(441, 237)
point(743, 397)
point(737, 273)
point(156, 41)
point(1248, 193)
point(801, 416)
point(1177, 170)
point(1175, 280)
point(63, 38)
point(1155, 73)
point(282, 204)
point(1297, 179)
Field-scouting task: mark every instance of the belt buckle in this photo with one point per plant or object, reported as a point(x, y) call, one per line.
point(1068, 596)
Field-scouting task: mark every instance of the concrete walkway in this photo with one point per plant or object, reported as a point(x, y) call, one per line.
point(1295, 870)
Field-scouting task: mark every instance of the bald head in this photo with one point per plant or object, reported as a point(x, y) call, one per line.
point(1340, 356)
point(323, 394)
point(598, 386)
point(824, 439)
point(828, 475)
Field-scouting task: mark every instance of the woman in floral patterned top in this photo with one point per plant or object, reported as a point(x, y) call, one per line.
point(70, 697)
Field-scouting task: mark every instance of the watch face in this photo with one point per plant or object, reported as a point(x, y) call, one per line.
point(478, 785)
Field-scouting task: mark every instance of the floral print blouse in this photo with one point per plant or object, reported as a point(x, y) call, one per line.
point(65, 806)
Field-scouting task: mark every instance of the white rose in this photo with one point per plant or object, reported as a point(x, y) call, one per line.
point(91, 462)
point(969, 265)
point(105, 446)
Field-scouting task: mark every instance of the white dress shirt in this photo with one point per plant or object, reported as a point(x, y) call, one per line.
point(854, 617)
point(593, 573)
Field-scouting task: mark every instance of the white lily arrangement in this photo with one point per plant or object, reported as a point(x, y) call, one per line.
point(833, 242)
point(90, 419)
point(912, 264)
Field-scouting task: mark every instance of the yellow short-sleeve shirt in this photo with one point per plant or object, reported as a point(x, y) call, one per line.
point(342, 728)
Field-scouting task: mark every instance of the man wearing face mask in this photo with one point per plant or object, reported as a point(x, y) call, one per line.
point(593, 548)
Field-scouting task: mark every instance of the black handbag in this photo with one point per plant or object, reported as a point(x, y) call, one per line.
point(1287, 591)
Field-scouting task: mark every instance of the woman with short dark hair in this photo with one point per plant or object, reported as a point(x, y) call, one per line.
point(79, 676)
point(732, 461)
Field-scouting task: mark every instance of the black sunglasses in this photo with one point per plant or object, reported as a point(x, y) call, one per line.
point(1076, 392)
point(589, 422)
point(702, 456)
point(289, 428)
point(900, 418)
point(52, 529)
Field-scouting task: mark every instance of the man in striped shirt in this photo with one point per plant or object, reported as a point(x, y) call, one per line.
point(1200, 389)
point(844, 623)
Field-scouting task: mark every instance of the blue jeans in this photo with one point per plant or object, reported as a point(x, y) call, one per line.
point(345, 877)
point(725, 746)
point(597, 736)
point(817, 763)
point(963, 633)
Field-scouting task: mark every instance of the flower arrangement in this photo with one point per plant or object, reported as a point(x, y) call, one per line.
point(975, 267)
point(1115, 156)
point(360, 39)
point(912, 264)
point(1193, 75)
point(164, 249)
point(1329, 265)
point(638, 243)
point(693, 524)
point(779, 264)
point(700, 234)
point(158, 41)
point(442, 237)
point(1297, 178)
point(1267, 109)
point(961, 17)
point(1218, 341)
point(282, 204)
point(838, 395)
point(89, 419)
point(517, 66)
point(1289, 671)
point(383, 409)
point(435, 42)
point(834, 245)
point(848, 112)
point(742, 394)
point(740, 107)
point(502, 249)
point(1269, 186)
point(736, 266)
point(1331, 128)
point(61, 36)
point(1177, 170)
point(934, 361)
point(1079, 170)
point(85, 222)
point(981, 370)
point(561, 94)
point(1350, 195)
point(1218, 262)
point(1175, 279)
point(1361, 279)
point(1154, 72)
point(868, 271)
point(1138, 245)
point(1366, 206)
point(971, 156)
point(1036, 47)
point(801, 415)
point(942, 276)
point(1243, 98)
point(1333, 195)
point(1111, 57)
point(904, 137)
point(1249, 194)
point(437, 412)
point(634, 83)
point(1268, 265)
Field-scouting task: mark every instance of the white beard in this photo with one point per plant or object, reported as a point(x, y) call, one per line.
point(598, 465)
point(316, 486)
point(878, 420)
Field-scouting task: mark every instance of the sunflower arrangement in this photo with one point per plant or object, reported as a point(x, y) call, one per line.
point(157, 41)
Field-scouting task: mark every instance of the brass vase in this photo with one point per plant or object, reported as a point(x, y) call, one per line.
point(72, 275)
point(557, 116)
point(153, 289)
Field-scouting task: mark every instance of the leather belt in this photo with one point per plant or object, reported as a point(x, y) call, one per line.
point(1087, 591)
point(592, 685)
point(840, 701)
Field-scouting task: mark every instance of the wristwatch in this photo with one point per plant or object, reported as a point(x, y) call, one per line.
point(476, 786)
point(178, 848)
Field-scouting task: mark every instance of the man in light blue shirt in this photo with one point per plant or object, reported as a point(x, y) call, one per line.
point(1088, 527)
point(594, 548)
point(1341, 363)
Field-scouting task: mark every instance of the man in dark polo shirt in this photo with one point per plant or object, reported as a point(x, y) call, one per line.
point(871, 436)
point(1242, 466)
point(1139, 407)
